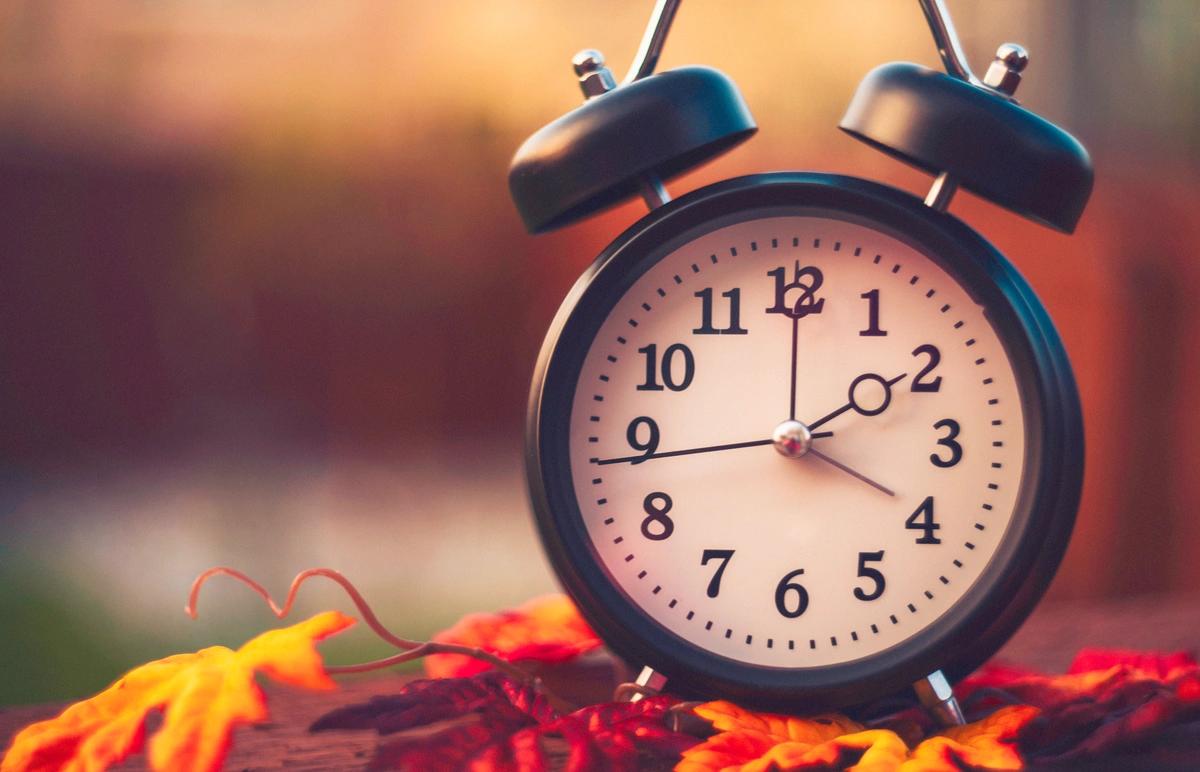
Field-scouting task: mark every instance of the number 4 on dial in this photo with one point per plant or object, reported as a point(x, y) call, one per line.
point(922, 520)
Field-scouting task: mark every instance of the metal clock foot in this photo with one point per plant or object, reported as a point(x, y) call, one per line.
point(937, 696)
point(651, 681)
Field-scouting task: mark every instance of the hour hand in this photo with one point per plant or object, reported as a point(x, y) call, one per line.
point(860, 400)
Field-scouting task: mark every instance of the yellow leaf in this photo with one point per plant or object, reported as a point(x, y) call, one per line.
point(205, 694)
point(756, 742)
point(765, 742)
point(986, 744)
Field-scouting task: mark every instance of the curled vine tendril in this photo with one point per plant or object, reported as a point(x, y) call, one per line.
point(412, 650)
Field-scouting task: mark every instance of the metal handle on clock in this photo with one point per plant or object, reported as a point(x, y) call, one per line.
point(941, 26)
point(1002, 78)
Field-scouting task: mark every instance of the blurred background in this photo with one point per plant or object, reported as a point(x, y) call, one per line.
point(264, 300)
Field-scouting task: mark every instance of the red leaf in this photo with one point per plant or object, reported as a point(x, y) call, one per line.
point(1153, 664)
point(425, 702)
point(1109, 700)
point(547, 629)
point(479, 743)
point(493, 723)
point(618, 733)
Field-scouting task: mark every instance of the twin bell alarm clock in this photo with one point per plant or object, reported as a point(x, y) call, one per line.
point(802, 440)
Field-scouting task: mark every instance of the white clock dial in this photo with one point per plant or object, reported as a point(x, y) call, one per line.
point(782, 550)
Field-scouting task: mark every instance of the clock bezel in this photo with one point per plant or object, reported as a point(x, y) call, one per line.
point(1016, 576)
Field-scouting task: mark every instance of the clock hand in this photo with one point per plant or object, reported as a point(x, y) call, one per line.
point(795, 346)
point(849, 471)
point(887, 398)
point(691, 451)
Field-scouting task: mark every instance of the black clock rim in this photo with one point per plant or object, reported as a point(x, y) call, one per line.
point(1010, 586)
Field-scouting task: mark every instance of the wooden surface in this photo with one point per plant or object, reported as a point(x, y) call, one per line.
point(1047, 642)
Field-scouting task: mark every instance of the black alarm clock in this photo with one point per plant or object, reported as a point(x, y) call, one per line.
point(802, 440)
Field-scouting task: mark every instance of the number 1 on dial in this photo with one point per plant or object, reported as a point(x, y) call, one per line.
point(872, 330)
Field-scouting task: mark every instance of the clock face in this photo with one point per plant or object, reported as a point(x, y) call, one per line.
point(796, 441)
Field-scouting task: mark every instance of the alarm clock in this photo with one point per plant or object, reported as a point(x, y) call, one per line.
point(803, 440)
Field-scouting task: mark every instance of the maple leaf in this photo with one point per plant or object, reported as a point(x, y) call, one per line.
point(490, 722)
point(614, 735)
point(548, 629)
point(755, 742)
point(1150, 664)
point(205, 694)
point(1108, 700)
point(420, 703)
point(986, 744)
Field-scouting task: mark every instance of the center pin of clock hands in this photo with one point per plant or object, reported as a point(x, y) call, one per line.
point(793, 439)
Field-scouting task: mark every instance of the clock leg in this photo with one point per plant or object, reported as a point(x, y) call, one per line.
point(937, 696)
point(651, 682)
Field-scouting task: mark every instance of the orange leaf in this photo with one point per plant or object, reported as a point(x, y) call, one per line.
point(205, 695)
point(547, 629)
point(986, 744)
point(756, 742)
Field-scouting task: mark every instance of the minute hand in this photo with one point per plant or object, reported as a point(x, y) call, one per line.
point(691, 451)
point(887, 385)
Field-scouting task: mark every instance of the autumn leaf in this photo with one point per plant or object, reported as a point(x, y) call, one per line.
point(613, 736)
point(420, 703)
point(755, 742)
point(547, 629)
point(1149, 664)
point(758, 742)
point(476, 742)
point(987, 744)
point(489, 722)
point(205, 695)
point(1109, 700)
